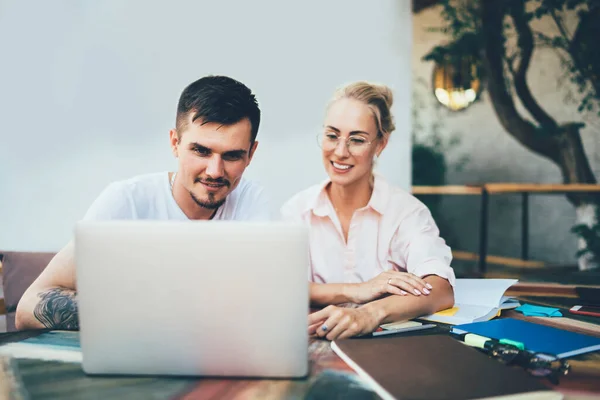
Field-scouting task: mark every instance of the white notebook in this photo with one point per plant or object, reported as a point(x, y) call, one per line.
point(476, 300)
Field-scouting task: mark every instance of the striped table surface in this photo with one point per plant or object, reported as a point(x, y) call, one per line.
point(329, 377)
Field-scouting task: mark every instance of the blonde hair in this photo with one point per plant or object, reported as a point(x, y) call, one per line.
point(378, 98)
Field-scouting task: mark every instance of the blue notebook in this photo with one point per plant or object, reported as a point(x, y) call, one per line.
point(535, 337)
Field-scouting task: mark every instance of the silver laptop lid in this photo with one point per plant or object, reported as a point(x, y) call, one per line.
point(193, 298)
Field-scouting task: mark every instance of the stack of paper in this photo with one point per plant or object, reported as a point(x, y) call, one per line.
point(49, 346)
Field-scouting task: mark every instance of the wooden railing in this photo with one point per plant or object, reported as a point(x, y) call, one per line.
point(484, 190)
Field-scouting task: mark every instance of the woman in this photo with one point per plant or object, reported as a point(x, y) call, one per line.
point(371, 243)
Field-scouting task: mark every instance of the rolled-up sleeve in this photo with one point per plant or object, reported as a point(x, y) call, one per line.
point(417, 245)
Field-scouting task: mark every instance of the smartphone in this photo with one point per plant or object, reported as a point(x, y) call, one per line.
point(586, 310)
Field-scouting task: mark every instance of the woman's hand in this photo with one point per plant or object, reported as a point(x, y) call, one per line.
point(338, 322)
point(389, 282)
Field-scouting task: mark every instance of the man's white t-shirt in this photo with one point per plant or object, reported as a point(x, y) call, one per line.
point(150, 197)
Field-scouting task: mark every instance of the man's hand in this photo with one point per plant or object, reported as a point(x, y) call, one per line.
point(389, 282)
point(337, 322)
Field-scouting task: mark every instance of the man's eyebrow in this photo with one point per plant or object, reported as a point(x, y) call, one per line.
point(230, 153)
point(198, 146)
point(333, 128)
point(235, 153)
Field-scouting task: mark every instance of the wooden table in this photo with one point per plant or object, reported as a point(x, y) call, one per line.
point(329, 378)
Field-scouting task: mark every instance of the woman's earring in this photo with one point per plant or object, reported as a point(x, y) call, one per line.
point(375, 157)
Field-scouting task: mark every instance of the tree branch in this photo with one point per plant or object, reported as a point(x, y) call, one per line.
point(420, 5)
point(492, 15)
point(510, 63)
point(550, 42)
point(561, 27)
point(577, 45)
point(525, 42)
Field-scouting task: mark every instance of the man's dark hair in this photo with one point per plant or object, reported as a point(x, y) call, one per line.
point(218, 99)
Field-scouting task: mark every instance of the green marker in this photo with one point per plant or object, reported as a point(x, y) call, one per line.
point(518, 345)
point(486, 343)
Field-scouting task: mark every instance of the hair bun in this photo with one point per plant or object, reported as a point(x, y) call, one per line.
point(387, 94)
point(378, 97)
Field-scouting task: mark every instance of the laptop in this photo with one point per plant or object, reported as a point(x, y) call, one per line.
point(197, 298)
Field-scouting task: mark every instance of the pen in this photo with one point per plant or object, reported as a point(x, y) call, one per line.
point(401, 330)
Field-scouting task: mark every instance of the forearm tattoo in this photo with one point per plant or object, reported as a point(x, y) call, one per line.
point(57, 309)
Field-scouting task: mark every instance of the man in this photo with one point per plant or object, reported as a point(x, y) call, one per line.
point(214, 141)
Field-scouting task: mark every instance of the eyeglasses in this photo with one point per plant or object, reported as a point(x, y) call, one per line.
point(356, 145)
point(537, 364)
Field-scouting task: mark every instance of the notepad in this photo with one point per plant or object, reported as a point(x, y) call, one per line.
point(536, 338)
point(448, 312)
point(434, 367)
point(476, 300)
point(401, 325)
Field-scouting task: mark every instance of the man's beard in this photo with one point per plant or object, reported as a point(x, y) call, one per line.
point(211, 204)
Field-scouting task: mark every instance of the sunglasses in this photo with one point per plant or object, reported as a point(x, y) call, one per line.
point(544, 365)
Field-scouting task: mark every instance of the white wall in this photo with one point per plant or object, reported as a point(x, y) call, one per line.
point(88, 92)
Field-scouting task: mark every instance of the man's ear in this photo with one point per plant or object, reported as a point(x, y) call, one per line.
point(252, 150)
point(174, 141)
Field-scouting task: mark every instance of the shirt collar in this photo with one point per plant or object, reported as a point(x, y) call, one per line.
point(381, 194)
point(321, 205)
